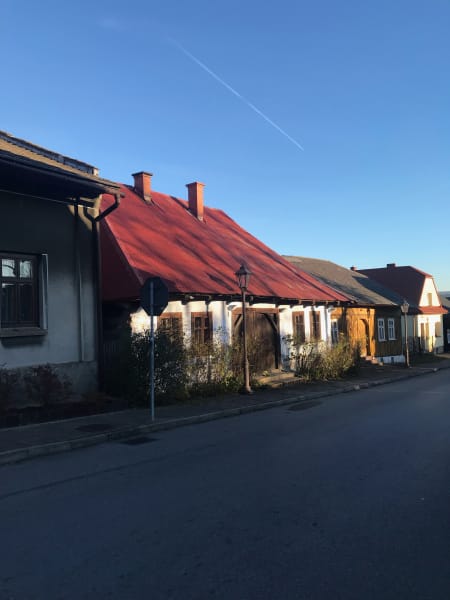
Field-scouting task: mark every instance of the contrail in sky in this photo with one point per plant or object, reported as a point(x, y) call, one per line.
point(236, 93)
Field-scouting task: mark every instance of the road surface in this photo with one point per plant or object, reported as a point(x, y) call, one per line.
point(347, 498)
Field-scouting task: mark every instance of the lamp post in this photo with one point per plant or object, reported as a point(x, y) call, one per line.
point(405, 307)
point(243, 275)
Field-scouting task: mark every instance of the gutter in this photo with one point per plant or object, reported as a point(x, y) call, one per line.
point(67, 202)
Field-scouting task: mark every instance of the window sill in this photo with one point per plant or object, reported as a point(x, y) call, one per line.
point(22, 332)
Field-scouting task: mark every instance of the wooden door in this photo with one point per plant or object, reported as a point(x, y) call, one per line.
point(263, 339)
point(362, 335)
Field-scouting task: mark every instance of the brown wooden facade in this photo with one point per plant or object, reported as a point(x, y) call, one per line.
point(377, 329)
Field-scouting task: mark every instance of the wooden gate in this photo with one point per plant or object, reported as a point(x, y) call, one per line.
point(263, 338)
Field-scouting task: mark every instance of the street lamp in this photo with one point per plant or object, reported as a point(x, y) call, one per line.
point(243, 276)
point(404, 308)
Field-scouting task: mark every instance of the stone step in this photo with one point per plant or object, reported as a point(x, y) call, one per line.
point(278, 379)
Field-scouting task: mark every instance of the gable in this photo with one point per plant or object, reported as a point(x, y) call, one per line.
point(412, 284)
point(429, 295)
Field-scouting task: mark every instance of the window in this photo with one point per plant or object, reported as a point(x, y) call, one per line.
point(22, 291)
point(381, 331)
point(315, 329)
point(334, 331)
point(391, 329)
point(298, 327)
point(438, 329)
point(201, 327)
point(171, 323)
point(430, 299)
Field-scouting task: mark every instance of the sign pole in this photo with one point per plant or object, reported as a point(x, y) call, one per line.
point(154, 299)
point(152, 353)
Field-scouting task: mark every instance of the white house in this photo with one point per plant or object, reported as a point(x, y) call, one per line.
point(197, 250)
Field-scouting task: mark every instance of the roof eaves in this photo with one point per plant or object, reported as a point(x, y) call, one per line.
point(104, 185)
point(45, 153)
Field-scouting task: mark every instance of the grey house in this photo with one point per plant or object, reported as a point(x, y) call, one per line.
point(49, 261)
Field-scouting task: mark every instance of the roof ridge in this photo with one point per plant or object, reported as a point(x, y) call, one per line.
point(51, 154)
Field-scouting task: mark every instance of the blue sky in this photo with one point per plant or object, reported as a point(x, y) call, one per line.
point(227, 92)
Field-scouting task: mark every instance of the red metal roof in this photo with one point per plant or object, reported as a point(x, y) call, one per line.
point(164, 239)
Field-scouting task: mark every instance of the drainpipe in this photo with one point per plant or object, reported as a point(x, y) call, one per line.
point(98, 279)
point(79, 284)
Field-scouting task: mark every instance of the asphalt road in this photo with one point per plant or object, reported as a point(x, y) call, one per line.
point(344, 499)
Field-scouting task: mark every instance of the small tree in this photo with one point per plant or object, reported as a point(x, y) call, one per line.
point(171, 374)
point(129, 372)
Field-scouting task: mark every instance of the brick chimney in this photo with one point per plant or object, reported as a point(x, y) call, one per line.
point(143, 185)
point(195, 199)
point(353, 268)
point(391, 266)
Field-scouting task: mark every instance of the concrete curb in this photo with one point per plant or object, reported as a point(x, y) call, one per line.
point(21, 454)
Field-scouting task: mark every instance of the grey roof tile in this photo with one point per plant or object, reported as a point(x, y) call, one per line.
point(361, 288)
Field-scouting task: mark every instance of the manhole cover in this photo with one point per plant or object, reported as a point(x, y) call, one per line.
point(305, 405)
point(138, 440)
point(95, 427)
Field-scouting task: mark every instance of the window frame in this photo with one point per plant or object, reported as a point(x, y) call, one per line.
point(176, 323)
point(39, 280)
point(206, 328)
point(298, 330)
point(315, 325)
point(334, 331)
point(381, 329)
point(391, 329)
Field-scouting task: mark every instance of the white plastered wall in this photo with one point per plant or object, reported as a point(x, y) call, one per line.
point(222, 320)
point(429, 291)
point(431, 324)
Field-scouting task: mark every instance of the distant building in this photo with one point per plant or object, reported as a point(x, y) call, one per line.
point(425, 323)
point(372, 319)
point(445, 301)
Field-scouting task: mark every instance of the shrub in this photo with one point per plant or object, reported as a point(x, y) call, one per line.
point(170, 365)
point(181, 367)
point(44, 386)
point(8, 382)
point(128, 374)
point(315, 361)
point(213, 367)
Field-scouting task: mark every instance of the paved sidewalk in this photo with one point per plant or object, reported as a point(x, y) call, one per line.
point(29, 441)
